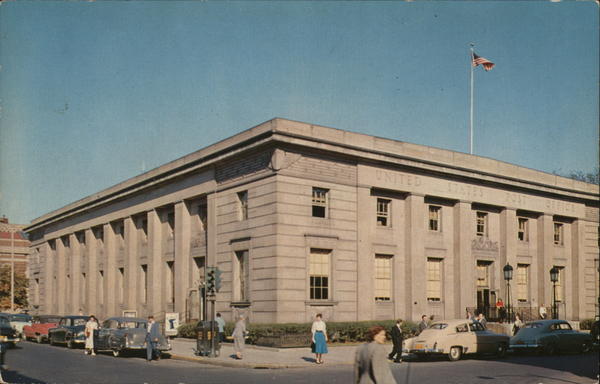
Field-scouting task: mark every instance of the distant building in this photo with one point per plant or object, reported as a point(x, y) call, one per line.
point(13, 246)
point(304, 219)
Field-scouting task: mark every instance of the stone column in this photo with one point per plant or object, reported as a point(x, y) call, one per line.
point(61, 276)
point(182, 256)
point(49, 258)
point(75, 298)
point(110, 270)
point(464, 265)
point(92, 272)
point(576, 276)
point(131, 294)
point(545, 257)
point(416, 273)
point(508, 253)
point(364, 263)
point(155, 283)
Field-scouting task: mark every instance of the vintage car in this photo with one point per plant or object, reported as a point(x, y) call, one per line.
point(18, 321)
point(550, 336)
point(456, 338)
point(38, 330)
point(69, 331)
point(119, 334)
point(7, 333)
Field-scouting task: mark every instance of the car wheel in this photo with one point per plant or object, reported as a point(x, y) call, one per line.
point(586, 347)
point(550, 349)
point(455, 353)
point(116, 352)
point(501, 351)
point(70, 344)
point(51, 340)
point(39, 339)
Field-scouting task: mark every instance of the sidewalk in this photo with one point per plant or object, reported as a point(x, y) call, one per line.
point(263, 357)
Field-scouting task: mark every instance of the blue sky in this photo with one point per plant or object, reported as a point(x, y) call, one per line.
point(93, 93)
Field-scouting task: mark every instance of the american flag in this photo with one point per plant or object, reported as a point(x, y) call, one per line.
point(485, 63)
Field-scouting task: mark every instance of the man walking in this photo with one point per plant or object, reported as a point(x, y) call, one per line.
point(396, 332)
point(423, 323)
point(152, 336)
point(221, 325)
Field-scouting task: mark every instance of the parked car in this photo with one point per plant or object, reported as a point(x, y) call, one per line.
point(70, 331)
point(119, 334)
point(456, 338)
point(18, 321)
point(38, 330)
point(7, 333)
point(550, 336)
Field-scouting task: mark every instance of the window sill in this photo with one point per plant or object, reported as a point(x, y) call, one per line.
point(240, 304)
point(321, 303)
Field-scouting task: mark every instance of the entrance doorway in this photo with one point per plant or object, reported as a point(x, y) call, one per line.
point(486, 299)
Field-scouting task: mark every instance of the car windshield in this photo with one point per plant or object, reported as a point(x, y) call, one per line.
point(534, 325)
point(79, 321)
point(24, 318)
point(477, 326)
point(45, 320)
point(438, 326)
point(131, 324)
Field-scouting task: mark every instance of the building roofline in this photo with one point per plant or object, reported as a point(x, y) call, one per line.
point(419, 154)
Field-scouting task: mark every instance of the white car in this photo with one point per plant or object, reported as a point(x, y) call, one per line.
point(17, 321)
point(456, 338)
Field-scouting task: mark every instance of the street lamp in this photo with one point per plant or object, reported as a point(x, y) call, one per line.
point(508, 274)
point(554, 279)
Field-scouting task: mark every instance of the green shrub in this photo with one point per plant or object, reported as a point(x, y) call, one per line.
point(338, 332)
point(586, 324)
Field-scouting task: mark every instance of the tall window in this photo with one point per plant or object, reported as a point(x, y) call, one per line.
point(241, 276)
point(383, 277)
point(99, 234)
point(144, 281)
point(319, 202)
point(481, 229)
point(243, 205)
point(121, 284)
point(171, 223)
point(523, 233)
point(522, 283)
point(383, 212)
point(434, 279)
point(560, 285)
point(319, 274)
point(434, 218)
point(483, 274)
point(558, 233)
point(170, 281)
point(101, 287)
point(36, 291)
point(83, 288)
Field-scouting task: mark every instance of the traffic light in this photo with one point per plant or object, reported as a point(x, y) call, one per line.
point(210, 280)
point(217, 279)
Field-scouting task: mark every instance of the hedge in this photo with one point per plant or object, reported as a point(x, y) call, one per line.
point(342, 332)
point(586, 324)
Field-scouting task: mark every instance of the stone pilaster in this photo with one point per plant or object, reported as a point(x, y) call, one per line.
point(576, 275)
point(131, 294)
point(50, 258)
point(75, 298)
point(464, 265)
point(110, 271)
point(508, 253)
point(92, 272)
point(182, 255)
point(61, 276)
point(545, 260)
point(155, 265)
point(416, 276)
point(365, 264)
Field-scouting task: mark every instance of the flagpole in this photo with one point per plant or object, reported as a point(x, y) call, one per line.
point(471, 116)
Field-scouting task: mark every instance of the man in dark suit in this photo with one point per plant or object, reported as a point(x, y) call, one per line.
point(396, 332)
point(152, 335)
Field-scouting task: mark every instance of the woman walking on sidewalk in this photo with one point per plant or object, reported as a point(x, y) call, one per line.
point(319, 338)
point(370, 365)
point(239, 337)
point(90, 327)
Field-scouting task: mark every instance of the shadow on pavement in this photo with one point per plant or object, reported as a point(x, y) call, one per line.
point(585, 365)
point(11, 376)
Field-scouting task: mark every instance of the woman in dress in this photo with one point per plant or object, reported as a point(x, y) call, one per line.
point(518, 324)
point(370, 365)
point(319, 338)
point(239, 337)
point(90, 327)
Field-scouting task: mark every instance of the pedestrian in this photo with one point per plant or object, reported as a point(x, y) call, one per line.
point(423, 324)
point(90, 326)
point(319, 338)
point(500, 309)
point(370, 364)
point(481, 319)
point(518, 324)
point(470, 316)
point(239, 337)
point(152, 335)
point(396, 333)
point(543, 312)
point(221, 325)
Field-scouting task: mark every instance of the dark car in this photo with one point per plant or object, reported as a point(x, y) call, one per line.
point(550, 336)
point(7, 333)
point(119, 334)
point(70, 331)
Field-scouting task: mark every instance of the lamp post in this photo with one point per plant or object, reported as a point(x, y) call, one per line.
point(554, 279)
point(508, 274)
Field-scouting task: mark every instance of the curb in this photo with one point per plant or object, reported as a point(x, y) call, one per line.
point(231, 364)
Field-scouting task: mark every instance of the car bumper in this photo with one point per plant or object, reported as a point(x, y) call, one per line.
point(6, 339)
point(523, 347)
point(143, 346)
point(426, 351)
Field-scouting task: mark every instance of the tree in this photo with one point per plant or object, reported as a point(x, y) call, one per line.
point(588, 177)
point(21, 284)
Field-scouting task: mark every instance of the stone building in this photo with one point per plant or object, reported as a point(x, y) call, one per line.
point(14, 247)
point(304, 219)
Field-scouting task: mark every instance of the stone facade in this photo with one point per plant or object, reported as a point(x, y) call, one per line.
point(304, 219)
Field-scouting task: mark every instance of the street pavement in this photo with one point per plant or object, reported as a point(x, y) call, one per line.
point(34, 363)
